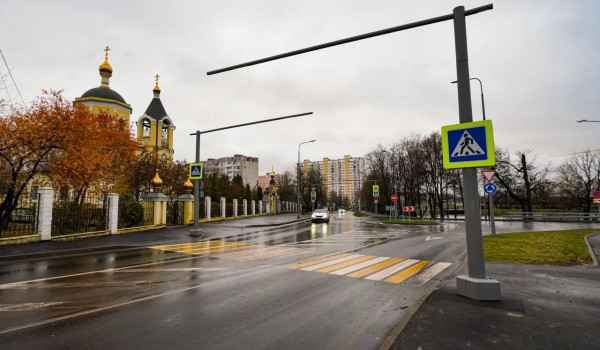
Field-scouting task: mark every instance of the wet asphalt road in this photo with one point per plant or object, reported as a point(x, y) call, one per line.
point(244, 287)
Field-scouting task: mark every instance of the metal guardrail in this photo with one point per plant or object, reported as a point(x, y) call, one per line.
point(541, 216)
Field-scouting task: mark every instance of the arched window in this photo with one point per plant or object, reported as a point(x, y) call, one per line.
point(165, 132)
point(145, 128)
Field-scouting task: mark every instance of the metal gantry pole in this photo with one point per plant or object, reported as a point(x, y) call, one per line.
point(472, 218)
point(196, 230)
point(475, 286)
point(298, 182)
point(197, 183)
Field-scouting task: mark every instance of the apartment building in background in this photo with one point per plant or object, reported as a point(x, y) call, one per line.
point(247, 167)
point(341, 176)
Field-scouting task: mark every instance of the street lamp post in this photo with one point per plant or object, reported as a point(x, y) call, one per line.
point(298, 175)
point(490, 196)
point(598, 176)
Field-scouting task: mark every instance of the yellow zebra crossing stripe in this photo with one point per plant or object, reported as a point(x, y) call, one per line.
point(232, 250)
point(370, 267)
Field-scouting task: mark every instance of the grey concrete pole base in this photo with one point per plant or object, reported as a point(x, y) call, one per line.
point(477, 288)
point(196, 233)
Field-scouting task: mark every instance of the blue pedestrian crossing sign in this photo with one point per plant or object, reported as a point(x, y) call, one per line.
point(196, 171)
point(468, 145)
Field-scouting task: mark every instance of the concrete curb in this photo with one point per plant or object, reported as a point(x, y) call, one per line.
point(594, 259)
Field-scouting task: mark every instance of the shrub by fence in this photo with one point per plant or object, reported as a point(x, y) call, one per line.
point(131, 213)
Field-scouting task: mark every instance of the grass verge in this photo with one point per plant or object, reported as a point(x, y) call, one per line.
point(566, 247)
point(412, 222)
point(360, 214)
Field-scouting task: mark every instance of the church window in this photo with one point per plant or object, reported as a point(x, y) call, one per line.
point(145, 128)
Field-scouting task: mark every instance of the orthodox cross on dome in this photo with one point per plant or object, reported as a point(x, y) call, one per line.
point(106, 52)
point(156, 77)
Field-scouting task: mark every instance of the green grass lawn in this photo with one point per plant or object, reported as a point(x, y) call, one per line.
point(412, 222)
point(360, 214)
point(548, 247)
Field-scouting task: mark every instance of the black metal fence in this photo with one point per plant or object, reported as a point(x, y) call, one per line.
point(21, 221)
point(76, 215)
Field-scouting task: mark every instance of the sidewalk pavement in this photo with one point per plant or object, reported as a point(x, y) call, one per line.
point(542, 307)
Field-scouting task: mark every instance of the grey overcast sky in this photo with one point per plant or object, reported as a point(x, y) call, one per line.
point(538, 61)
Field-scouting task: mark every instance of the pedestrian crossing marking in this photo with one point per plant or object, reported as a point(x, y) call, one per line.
point(317, 261)
point(345, 264)
point(430, 273)
point(407, 273)
point(379, 275)
point(331, 262)
point(360, 266)
point(232, 250)
point(374, 268)
point(370, 267)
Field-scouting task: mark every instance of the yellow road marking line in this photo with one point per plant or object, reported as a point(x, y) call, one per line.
point(375, 268)
point(346, 263)
point(407, 273)
point(317, 261)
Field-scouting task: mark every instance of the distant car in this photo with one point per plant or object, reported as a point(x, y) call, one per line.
point(319, 215)
point(341, 211)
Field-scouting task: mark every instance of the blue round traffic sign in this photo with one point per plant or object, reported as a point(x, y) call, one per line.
point(490, 188)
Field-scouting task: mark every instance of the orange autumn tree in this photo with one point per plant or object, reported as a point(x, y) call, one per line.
point(65, 142)
point(99, 154)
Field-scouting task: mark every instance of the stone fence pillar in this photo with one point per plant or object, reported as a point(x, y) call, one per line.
point(223, 208)
point(44, 219)
point(235, 203)
point(113, 213)
point(245, 204)
point(253, 207)
point(188, 208)
point(207, 207)
point(260, 207)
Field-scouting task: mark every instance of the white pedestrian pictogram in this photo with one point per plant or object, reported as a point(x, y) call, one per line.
point(195, 171)
point(467, 146)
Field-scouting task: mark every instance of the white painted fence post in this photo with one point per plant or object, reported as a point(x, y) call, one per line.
point(44, 219)
point(113, 212)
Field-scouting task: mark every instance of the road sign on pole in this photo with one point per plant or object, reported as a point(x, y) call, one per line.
point(490, 188)
point(196, 171)
point(375, 190)
point(394, 198)
point(468, 145)
point(488, 175)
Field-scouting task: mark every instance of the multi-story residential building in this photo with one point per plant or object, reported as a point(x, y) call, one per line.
point(340, 176)
point(239, 164)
